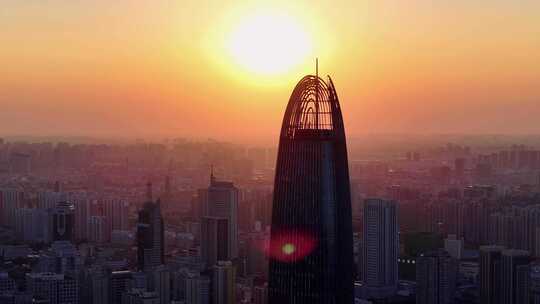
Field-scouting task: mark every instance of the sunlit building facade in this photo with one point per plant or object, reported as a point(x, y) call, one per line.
point(310, 249)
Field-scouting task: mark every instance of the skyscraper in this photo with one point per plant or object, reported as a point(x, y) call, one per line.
point(160, 283)
point(311, 238)
point(150, 234)
point(197, 289)
point(515, 277)
point(214, 240)
point(435, 277)
point(62, 222)
point(224, 285)
point(97, 229)
point(220, 199)
point(116, 211)
point(381, 248)
point(490, 273)
point(52, 287)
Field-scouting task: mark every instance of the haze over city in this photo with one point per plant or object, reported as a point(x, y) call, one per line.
point(195, 69)
point(284, 152)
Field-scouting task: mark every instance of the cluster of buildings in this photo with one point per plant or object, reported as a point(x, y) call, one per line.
point(442, 225)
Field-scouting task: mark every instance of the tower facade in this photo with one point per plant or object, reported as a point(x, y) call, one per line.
point(214, 240)
point(224, 274)
point(381, 248)
point(150, 235)
point(515, 276)
point(220, 199)
point(310, 248)
point(62, 222)
point(436, 277)
point(490, 274)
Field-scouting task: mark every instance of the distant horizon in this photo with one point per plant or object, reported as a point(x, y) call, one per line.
point(376, 139)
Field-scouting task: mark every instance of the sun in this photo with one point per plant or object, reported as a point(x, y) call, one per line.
point(269, 44)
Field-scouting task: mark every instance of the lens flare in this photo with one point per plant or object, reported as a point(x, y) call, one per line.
point(291, 245)
point(289, 248)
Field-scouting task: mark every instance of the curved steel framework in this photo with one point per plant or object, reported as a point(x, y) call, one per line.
point(311, 241)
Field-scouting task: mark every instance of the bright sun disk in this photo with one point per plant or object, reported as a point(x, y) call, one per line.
point(269, 44)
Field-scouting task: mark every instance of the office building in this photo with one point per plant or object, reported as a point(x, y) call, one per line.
point(436, 274)
point(214, 240)
point(260, 294)
point(515, 276)
point(98, 229)
point(224, 283)
point(311, 259)
point(160, 283)
point(381, 248)
point(490, 274)
point(54, 288)
point(453, 246)
point(62, 222)
point(220, 199)
point(119, 283)
point(116, 210)
point(139, 296)
point(150, 234)
point(197, 289)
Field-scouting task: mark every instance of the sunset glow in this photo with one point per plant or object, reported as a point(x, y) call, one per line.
point(210, 69)
point(268, 44)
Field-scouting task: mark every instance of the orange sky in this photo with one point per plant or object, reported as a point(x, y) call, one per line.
point(145, 68)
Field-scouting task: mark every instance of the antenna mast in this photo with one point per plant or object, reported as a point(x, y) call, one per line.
point(316, 93)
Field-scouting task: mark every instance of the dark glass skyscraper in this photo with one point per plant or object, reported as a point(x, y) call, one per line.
point(311, 242)
point(150, 234)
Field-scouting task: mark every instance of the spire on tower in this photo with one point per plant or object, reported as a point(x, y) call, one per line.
point(317, 67)
point(316, 93)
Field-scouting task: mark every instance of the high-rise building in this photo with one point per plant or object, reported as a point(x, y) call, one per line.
point(453, 246)
point(7, 284)
point(82, 204)
point(62, 257)
point(139, 296)
point(63, 222)
point(119, 283)
point(535, 285)
point(96, 288)
point(260, 294)
point(116, 210)
point(220, 199)
point(150, 234)
point(257, 262)
point(224, 283)
point(160, 283)
point(197, 289)
point(311, 258)
point(54, 288)
point(98, 229)
point(515, 276)
point(50, 199)
point(490, 274)
point(435, 278)
point(31, 225)
point(214, 240)
point(10, 200)
point(381, 248)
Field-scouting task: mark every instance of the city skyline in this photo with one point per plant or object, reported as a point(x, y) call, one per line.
point(196, 152)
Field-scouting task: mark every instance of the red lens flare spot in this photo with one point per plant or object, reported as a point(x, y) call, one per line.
point(290, 245)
